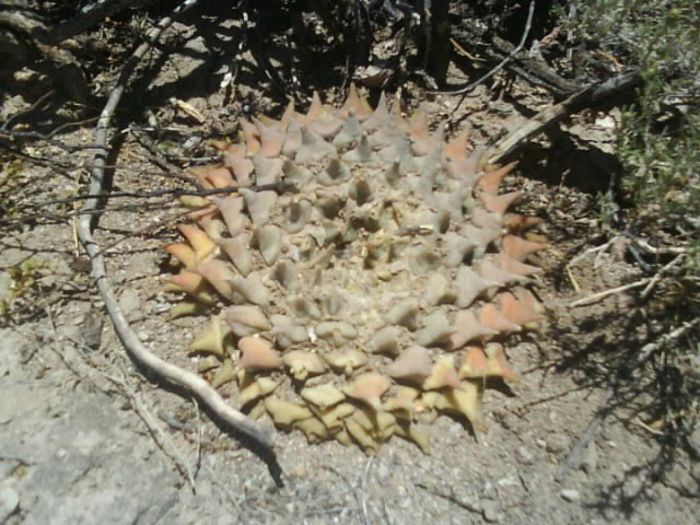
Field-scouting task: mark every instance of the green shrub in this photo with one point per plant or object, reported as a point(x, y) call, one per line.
point(659, 136)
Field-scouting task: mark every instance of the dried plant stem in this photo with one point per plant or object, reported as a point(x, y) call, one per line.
point(648, 283)
point(139, 353)
point(655, 280)
point(587, 97)
point(606, 293)
point(650, 348)
point(363, 492)
point(584, 254)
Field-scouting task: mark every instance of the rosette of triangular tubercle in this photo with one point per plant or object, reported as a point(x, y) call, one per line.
point(376, 195)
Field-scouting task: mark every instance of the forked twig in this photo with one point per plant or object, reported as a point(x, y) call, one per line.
point(138, 352)
point(655, 280)
point(595, 249)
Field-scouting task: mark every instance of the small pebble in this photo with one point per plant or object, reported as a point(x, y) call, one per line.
point(91, 329)
point(508, 481)
point(300, 472)
point(557, 443)
point(9, 502)
point(161, 308)
point(383, 472)
point(489, 509)
point(524, 456)
point(489, 490)
point(130, 303)
point(589, 460)
point(570, 495)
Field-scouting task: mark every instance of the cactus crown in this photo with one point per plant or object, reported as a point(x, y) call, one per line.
point(372, 298)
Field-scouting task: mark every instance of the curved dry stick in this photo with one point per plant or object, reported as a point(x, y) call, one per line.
point(139, 353)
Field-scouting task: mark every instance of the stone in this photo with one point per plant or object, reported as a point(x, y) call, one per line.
point(557, 443)
point(490, 510)
point(524, 456)
point(589, 459)
point(570, 495)
point(9, 501)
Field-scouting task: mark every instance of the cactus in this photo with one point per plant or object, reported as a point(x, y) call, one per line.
point(372, 298)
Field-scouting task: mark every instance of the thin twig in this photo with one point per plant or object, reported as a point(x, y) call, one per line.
point(6, 125)
point(450, 497)
point(572, 279)
point(646, 427)
point(279, 187)
point(648, 282)
point(41, 136)
point(606, 293)
point(166, 371)
point(661, 249)
point(351, 487)
point(466, 89)
point(657, 277)
point(589, 251)
point(549, 398)
point(198, 463)
point(363, 486)
point(464, 52)
point(651, 348)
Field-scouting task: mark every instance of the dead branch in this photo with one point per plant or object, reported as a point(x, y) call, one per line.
point(501, 64)
point(168, 372)
point(607, 293)
point(533, 70)
point(586, 98)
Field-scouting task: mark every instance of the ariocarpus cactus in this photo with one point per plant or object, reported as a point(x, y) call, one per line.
point(361, 276)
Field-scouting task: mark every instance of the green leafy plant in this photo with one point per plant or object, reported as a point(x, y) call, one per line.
point(23, 280)
point(659, 136)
